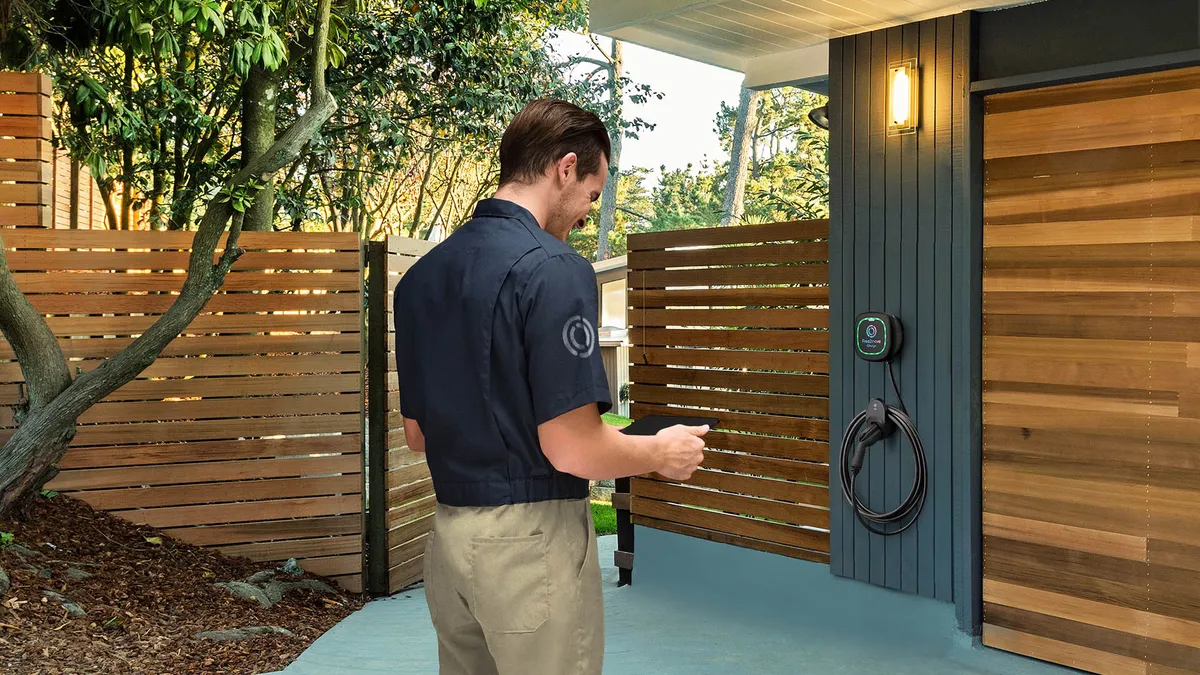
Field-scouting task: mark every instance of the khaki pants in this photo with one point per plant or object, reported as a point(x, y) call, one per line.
point(515, 590)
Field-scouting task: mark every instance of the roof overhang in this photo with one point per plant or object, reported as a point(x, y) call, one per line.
point(773, 42)
point(610, 270)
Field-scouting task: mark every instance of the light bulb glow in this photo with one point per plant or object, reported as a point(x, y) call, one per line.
point(900, 96)
point(903, 80)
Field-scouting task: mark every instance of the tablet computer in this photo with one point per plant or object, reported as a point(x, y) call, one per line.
point(652, 424)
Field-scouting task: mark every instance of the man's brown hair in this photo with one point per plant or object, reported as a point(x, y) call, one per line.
point(543, 133)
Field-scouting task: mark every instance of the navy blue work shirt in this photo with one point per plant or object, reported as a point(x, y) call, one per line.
point(496, 333)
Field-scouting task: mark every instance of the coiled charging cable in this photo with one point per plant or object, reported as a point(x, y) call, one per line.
point(878, 420)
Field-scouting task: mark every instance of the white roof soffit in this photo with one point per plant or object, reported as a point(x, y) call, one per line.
point(774, 42)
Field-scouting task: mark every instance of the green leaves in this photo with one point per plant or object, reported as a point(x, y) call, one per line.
point(6, 539)
point(241, 197)
point(210, 15)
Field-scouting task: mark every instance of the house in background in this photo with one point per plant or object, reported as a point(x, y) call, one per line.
point(614, 345)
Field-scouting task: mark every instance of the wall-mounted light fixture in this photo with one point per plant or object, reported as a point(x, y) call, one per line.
point(820, 117)
point(903, 89)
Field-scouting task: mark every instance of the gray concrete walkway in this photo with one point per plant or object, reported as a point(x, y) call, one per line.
point(654, 630)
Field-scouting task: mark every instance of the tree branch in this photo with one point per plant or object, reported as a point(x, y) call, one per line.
point(575, 60)
point(42, 362)
point(231, 253)
point(599, 48)
point(635, 214)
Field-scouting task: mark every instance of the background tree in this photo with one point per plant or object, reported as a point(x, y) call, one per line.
point(46, 418)
point(788, 173)
point(615, 71)
point(739, 156)
point(632, 213)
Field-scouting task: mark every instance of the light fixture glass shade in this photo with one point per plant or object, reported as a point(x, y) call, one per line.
point(902, 104)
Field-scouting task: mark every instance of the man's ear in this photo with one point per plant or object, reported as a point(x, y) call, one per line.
point(567, 167)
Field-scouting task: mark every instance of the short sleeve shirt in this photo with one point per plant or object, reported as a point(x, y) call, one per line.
point(496, 334)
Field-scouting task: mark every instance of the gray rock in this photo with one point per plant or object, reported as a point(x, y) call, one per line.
point(278, 589)
point(77, 574)
point(310, 584)
point(247, 591)
point(72, 608)
point(242, 633)
point(46, 573)
point(23, 552)
point(5, 584)
point(291, 567)
point(274, 591)
point(261, 577)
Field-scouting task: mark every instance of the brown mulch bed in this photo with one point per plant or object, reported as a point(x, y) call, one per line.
point(145, 601)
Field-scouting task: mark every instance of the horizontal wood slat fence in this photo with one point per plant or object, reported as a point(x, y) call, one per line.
point(733, 323)
point(26, 190)
point(401, 515)
point(246, 435)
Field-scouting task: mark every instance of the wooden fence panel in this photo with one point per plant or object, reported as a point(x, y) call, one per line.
point(246, 434)
point(1091, 369)
point(401, 514)
point(733, 322)
point(26, 176)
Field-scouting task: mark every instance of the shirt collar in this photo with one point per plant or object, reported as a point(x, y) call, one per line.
point(502, 208)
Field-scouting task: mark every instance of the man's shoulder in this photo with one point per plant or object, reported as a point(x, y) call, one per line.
point(554, 263)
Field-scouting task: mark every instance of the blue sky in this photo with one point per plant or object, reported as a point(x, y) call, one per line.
point(693, 93)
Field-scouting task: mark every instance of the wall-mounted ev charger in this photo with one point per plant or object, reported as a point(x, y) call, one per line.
point(878, 337)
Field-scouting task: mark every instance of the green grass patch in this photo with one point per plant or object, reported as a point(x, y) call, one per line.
point(616, 420)
point(605, 517)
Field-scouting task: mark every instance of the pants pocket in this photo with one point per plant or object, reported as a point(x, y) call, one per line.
point(430, 592)
point(589, 541)
point(510, 582)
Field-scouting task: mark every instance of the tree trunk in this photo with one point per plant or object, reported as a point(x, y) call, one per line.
point(127, 153)
point(608, 200)
point(159, 183)
point(178, 187)
point(437, 215)
point(110, 212)
point(75, 190)
point(739, 156)
point(47, 424)
point(416, 222)
point(258, 132)
point(159, 187)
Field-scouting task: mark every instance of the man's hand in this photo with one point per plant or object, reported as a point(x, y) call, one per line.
point(413, 435)
point(682, 450)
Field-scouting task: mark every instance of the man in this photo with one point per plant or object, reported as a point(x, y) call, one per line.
point(502, 386)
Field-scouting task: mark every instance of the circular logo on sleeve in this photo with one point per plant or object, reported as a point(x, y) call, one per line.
point(579, 336)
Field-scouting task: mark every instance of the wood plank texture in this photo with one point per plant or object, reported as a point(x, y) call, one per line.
point(1091, 425)
point(409, 500)
point(25, 83)
point(245, 434)
point(757, 358)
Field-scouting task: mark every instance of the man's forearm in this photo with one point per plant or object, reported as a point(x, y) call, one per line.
point(615, 455)
point(580, 444)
